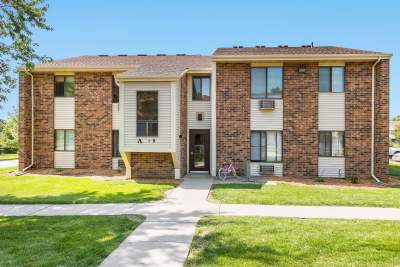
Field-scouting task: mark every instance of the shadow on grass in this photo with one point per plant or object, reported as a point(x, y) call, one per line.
point(62, 240)
point(216, 247)
point(86, 197)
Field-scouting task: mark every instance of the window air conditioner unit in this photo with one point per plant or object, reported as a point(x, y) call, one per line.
point(267, 104)
point(267, 169)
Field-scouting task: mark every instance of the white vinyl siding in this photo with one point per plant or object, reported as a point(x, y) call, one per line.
point(194, 107)
point(255, 168)
point(129, 140)
point(262, 120)
point(64, 159)
point(64, 113)
point(331, 167)
point(331, 112)
point(115, 116)
point(115, 162)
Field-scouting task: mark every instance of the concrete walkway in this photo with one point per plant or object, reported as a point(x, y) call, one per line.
point(8, 163)
point(164, 238)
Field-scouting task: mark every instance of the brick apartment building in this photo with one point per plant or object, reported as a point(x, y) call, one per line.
point(294, 111)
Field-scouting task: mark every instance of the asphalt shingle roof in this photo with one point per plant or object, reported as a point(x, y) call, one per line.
point(173, 65)
point(307, 50)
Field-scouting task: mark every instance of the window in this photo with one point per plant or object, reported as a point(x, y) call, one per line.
point(331, 144)
point(147, 114)
point(331, 79)
point(266, 83)
point(115, 91)
point(201, 88)
point(64, 140)
point(115, 144)
point(266, 146)
point(64, 85)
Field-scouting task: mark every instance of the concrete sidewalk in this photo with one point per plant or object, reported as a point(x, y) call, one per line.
point(8, 163)
point(165, 236)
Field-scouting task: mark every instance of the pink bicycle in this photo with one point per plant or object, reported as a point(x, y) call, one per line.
point(226, 171)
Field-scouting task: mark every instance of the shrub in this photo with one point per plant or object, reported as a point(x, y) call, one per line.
point(354, 180)
point(320, 179)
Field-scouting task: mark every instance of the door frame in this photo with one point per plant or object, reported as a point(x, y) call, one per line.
point(206, 150)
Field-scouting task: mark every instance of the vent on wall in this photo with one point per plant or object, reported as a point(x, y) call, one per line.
point(267, 169)
point(267, 104)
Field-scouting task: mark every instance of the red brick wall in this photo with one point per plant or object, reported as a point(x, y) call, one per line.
point(358, 119)
point(93, 120)
point(25, 122)
point(382, 119)
point(183, 125)
point(300, 120)
point(152, 165)
point(233, 114)
point(43, 120)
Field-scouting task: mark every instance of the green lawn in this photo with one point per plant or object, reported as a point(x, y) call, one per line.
point(48, 189)
point(288, 194)
point(394, 168)
point(251, 241)
point(8, 156)
point(7, 170)
point(62, 240)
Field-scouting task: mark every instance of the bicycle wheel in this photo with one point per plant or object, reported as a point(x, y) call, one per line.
point(220, 173)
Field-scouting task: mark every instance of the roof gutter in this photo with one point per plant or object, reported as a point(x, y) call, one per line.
point(373, 122)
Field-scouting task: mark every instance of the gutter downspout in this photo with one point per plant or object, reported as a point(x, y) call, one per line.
point(32, 121)
point(373, 123)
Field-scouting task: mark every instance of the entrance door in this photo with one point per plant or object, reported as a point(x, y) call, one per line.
point(199, 150)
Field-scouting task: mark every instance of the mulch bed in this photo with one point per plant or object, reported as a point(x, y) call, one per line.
point(339, 182)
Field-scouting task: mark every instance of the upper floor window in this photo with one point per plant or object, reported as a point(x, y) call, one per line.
point(331, 144)
point(266, 82)
point(115, 91)
point(64, 140)
point(147, 113)
point(266, 146)
point(331, 79)
point(64, 86)
point(201, 88)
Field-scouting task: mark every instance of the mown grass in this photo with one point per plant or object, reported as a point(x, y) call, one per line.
point(8, 156)
point(253, 242)
point(63, 190)
point(62, 240)
point(290, 194)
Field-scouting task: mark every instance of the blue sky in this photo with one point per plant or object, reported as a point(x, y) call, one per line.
point(198, 27)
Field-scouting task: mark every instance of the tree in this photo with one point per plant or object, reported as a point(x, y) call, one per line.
point(17, 20)
point(396, 118)
point(9, 134)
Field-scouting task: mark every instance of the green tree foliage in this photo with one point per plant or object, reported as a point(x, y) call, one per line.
point(396, 118)
point(17, 20)
point(9, 133)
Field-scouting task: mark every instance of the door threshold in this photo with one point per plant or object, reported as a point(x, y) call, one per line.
point(199, 172)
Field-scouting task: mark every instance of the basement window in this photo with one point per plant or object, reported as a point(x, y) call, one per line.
point(64, 86)
point(64, 140)
point(331, 144)
point(266, 146)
